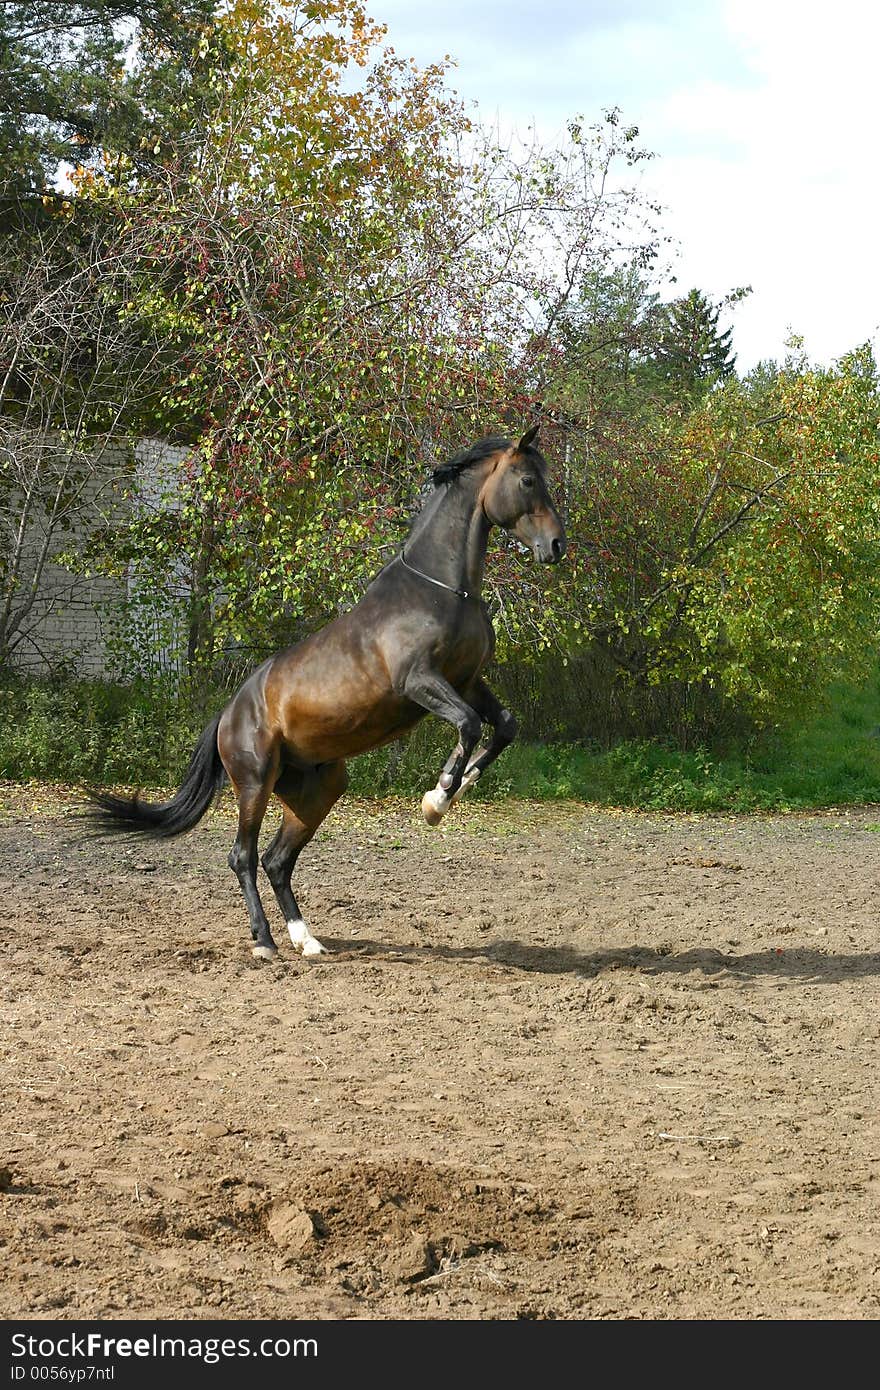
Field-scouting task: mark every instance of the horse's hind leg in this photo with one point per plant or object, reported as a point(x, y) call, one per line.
point(253, 798)
point(307, 797)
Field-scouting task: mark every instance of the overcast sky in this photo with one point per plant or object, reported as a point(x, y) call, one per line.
point(763, 115)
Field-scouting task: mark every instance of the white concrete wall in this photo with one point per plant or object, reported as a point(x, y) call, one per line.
point(69, 622)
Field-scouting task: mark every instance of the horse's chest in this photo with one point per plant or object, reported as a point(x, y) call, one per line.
point(468, 650)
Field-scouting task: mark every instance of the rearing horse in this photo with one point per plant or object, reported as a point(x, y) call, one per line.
point(415, 644)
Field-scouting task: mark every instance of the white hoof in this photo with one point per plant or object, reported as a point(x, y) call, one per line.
point(313, 947)
point(435, 804)
point(265, 952)
point(303, 940)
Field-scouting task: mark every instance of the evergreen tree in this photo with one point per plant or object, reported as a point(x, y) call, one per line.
point(691, 354)
point(96, 75)
point(625, 352)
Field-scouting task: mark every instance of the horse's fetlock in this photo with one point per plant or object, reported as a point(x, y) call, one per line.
point(470, 729)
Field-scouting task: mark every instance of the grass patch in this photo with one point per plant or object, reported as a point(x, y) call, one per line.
point(90, 731)
point(834, 759)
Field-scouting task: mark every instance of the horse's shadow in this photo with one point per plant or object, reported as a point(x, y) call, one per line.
point(796, 963)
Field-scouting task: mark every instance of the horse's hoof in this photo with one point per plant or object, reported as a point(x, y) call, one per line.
point(303, 940)
point(313, 947)
point(434, 806)
point(265, 952)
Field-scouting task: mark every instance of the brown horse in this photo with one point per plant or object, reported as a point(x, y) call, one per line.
point(415, 644)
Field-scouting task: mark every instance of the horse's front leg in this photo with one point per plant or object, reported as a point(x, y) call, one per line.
point(504, 728)
point(432, 692)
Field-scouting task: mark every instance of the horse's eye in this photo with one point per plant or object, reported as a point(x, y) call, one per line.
point(527, 482)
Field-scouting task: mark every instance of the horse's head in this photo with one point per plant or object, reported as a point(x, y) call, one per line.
point(515, 497)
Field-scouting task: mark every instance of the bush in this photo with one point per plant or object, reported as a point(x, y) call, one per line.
point(143, 735)
point(94, 731)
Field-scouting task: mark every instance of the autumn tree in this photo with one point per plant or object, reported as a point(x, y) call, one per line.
point(355, 280)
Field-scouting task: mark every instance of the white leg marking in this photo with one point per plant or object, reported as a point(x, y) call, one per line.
point(435, 804)
point(468, 780)
point(302, 938)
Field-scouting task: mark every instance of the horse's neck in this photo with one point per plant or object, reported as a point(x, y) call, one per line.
point(448, 541)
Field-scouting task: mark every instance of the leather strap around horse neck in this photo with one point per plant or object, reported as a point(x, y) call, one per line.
point(462, 593)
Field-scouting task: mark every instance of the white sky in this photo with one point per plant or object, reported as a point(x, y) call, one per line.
point(763, 115)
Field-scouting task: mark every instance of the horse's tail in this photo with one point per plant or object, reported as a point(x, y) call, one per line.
point(203, 780)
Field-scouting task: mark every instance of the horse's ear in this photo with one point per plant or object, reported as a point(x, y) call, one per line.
point(528, 437)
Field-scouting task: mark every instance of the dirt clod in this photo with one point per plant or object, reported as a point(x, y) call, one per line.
point(415, 1261)
point(290, 1227)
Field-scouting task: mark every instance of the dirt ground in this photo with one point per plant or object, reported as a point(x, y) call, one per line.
point(561, 1064)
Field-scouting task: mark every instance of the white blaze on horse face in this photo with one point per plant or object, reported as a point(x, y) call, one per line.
point(302, 937)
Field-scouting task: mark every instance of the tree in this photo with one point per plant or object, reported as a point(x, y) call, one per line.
point(70, 370)
point(87, 77)
point(691, 354)
point(354, 281)
point(607, 334)
point(734, 547)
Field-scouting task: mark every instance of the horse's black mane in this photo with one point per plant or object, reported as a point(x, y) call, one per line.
point(465, 458)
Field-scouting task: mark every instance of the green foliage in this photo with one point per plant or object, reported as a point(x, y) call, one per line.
point(626, 351)
point(86, 78)
point(92, 731)
point(692, 354)
point(734, 547)
point(832, 759)
point(143, 735)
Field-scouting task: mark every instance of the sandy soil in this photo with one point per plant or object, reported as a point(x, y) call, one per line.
point(561, 1064)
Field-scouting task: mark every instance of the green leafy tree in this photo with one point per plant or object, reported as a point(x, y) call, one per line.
point(623, 352)
point(727, 557)
point(352, 280)
point(97, 76)
point(607, 334)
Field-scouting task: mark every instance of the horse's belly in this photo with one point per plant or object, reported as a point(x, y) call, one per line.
point(319, 732)
point(335, 700)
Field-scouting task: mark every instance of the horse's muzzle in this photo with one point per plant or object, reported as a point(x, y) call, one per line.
point(549, 552)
